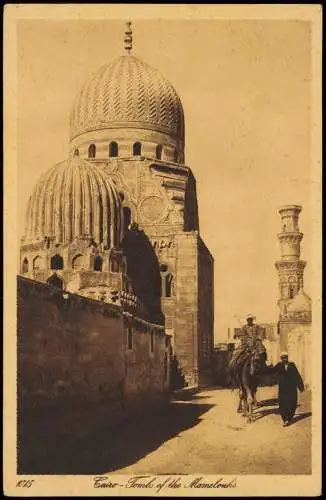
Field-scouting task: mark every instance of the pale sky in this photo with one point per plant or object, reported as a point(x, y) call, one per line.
point(245, 89)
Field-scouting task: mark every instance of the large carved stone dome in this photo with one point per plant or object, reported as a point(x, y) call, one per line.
point(129, 94)
point(73, 200)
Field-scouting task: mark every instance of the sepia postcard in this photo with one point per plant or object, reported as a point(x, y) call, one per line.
point(162, 256)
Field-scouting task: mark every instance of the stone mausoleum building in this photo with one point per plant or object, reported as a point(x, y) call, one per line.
point(115, 226)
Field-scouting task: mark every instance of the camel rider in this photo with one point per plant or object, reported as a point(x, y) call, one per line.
point(249, 339)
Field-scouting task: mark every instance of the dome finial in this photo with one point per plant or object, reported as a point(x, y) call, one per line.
point(128, 37)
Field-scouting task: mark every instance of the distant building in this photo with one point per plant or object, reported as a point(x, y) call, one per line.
point(294, 304)
point(221, 356)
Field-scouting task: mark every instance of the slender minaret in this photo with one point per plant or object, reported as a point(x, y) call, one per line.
point(128, 38)
point(290, 267)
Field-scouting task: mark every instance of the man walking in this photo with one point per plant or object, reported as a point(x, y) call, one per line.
point(289, 381)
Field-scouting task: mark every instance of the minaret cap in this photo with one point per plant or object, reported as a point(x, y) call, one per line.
point(290, 208)
point(128, 37)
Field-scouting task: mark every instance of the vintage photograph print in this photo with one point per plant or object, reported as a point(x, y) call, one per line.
point(162, 250)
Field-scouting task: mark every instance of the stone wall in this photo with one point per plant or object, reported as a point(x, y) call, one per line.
point(75, 366)
point(205, 312)
point(296, 339)
point(186, 311)
point(150, 377)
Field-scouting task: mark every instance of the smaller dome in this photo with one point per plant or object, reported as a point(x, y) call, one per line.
point(300, 303)
point(72, 200)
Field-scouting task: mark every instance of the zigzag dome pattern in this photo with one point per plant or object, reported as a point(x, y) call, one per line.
point(127, 93)
point(72, 200)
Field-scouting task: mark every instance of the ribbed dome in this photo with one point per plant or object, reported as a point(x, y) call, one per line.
point(300, 303)
point(72, 200)
point(127, 93)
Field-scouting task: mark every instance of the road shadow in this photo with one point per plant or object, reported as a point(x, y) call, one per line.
point(268, 402)
point(261, 414)
point(190, 397)
point(275, 411)
point(299, 417)
point(112, 449)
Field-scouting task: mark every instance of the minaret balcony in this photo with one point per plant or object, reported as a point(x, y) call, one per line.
point(291, 236)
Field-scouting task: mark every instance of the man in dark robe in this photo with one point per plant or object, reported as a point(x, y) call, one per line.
point(289, 381)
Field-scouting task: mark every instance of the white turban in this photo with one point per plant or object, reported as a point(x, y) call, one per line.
point(283, 354)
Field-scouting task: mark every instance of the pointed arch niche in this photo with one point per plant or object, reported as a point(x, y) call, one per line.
point(98, 263)
point(78, 262)
point(25, 265)
point(56, 262)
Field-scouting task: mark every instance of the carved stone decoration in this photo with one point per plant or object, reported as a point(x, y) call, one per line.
point(128, 93)
point(163, 243)
point(111, 167)
point(175, 216)
point(152, 209)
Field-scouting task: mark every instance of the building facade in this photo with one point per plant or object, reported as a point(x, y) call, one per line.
point(294, 304)
point(117, 221)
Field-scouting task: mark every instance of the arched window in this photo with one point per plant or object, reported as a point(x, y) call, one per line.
point(78, 262)
point(168, 285)
point(126, 217)
point(92, 151)
point(176, 156)
point(113, 149)
point(56, 281)
point(98, 263)
point(57, 262)
point(136, 149)
point(25, 266)
point(159, 150)
point(76, 152)
point(38, 263)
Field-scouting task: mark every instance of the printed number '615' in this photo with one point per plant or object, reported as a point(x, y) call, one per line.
point(26, 483)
